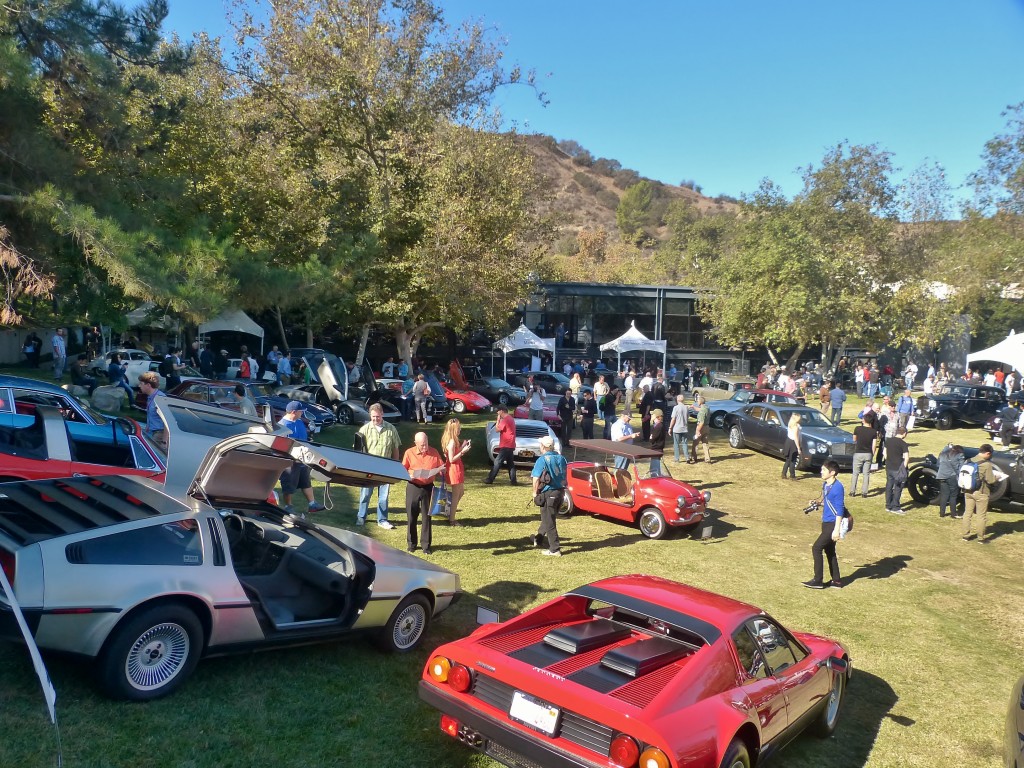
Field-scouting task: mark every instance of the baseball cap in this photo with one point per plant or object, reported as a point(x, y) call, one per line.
point(293, 405)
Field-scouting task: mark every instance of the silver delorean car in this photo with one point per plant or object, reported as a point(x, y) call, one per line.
point(146, 578)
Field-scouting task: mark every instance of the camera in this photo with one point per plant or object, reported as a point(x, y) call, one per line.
point(814, 506)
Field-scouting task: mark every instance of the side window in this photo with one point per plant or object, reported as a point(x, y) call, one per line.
point(771, 417)
point(171, 543)
point(196, 392)
point(143, 459)
point(756, 413)
point(773, 643)
point(749, 654)
point(5, 403)
point(26, 400)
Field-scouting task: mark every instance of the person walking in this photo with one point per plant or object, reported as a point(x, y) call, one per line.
point(505, 426)
point(833, 509)
point(588, 410)
point(455, 448)
point(897, 469)
point(864, 436)
point(551, 491)
point(951, 459)
point(679, 427)
point(149, 385)
point(700, 434)
point(837, 396)
point(379, 439)
point(60, 354)
point(422, 463)
point(791, 451)
point(976, 502)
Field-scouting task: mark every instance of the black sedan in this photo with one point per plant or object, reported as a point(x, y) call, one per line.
point(960, 401)
point(548, 381)
point(763, 427)
point(498, 391)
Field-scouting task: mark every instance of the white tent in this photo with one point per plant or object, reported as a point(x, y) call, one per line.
point(1009, 351)
point(233, 320)
point(633, 340)
point(524, 338)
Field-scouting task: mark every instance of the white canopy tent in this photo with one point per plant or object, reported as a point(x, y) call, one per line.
point(524, 338)
point(633, 340)
point(233, 320)
point(1009, 351)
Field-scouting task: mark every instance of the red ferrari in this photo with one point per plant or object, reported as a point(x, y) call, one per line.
point(551, 417)
point(465, 400)
point(636, 672)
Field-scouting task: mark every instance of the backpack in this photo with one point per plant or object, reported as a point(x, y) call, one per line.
point(969, 478)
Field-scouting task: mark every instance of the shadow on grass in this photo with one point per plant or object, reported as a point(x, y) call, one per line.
point(1004, 527)
point(880, 569)
point(869, 702)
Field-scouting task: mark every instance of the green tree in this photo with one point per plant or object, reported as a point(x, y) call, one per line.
point(633, 214)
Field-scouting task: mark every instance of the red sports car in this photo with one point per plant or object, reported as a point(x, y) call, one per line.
point(636, 671)
point(641, 492)
point(551, 416)
point(464, 400)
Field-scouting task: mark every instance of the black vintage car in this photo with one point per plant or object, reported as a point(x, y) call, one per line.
point(495, 389)
point(960, 401)
point(924, 488)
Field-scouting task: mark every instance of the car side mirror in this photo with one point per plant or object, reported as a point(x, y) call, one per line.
point(836, 664)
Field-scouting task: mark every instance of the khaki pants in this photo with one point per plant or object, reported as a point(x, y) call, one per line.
point(975, 503)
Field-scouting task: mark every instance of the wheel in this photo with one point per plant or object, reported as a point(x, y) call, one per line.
point(923, 487)
point(998, 490)
point(503, 398)
point(567, 507)
point(407, 625)
point(736, 437)
point(458, 406)
point(652, 523)
point(944, 420)
point(152, 653)
point(736, 756)
point(825, 723)
point(718, 420)
point(345, 415)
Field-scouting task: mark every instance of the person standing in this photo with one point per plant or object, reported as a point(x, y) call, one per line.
point(909, 375)
point(837, 396)
point(206, 362)
point(864, 436)
point(621, 432)
point(420, 460)
point(567, 413)
point(951, 458)
point(976, 502)
point(505, 426)
point(297, 477)
point(273, 360)
point(60, 354)
point(601, 390)
point(455, 448)
point(379, 439)
point(588, 410)
point(657, 439)
point(149, 385)
point(700, 434)
point(833, 509)
point(245, 404)
point(388, 369)
point(551, 493)
point(611, 401)
point(421, 398)
point(220, 365)
point(536, 399)
point(679, 426)
point(791, 449)
point(897, 468)
point(629, 382)
point(284, 368)
point(904, 408)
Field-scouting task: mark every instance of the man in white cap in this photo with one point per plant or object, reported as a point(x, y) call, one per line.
point(548, 474)
point(297, 477)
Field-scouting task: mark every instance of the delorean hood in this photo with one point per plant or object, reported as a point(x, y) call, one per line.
point(247, 467)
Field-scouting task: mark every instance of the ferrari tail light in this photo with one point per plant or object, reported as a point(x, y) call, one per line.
point(450, 726)
point(7, 561)
point(438, 669)
point(652, 757)
point(460, 678)
point(624, 751)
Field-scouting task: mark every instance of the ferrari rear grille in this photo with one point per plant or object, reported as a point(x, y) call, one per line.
point(641, 692)
point(573, 727)
point(513, 641)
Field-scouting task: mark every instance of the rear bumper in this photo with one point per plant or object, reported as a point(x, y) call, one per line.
point(9, 629)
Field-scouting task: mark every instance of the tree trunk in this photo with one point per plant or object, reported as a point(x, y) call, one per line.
point(771, 354)
point(280, 326)
point(403, 342)
point(795, 357)
point(362, 344)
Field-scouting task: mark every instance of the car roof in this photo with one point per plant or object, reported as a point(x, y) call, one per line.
point(767, 392)
point(615, 448)
point(26, 383)
point(732, 378)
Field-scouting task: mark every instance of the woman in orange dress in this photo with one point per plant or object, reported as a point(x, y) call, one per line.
point(454, 449)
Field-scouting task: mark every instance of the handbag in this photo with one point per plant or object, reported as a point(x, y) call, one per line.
point(441, 501)
point(911, 422)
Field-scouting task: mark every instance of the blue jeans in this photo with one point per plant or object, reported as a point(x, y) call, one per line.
point(680, 438)
point(382, 502)
point(621, 462)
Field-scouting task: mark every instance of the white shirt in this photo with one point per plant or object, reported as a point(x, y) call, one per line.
point(990, 379)
point(621, 428)
point(928, 386)
point(537, 400)
point(630, 382)
point(646, 381)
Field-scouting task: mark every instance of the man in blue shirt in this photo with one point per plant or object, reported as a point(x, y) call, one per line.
point(284, 369)
point(551, 494)
point(904, 408)
point(149, 385)
point(837, 396)
point(297, 477)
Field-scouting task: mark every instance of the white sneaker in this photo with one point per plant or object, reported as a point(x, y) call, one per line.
point(385, 525)
point(360, 521)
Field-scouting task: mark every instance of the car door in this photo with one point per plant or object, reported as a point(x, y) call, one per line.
point(762, 689)
point(753, 426)
point(774, 432)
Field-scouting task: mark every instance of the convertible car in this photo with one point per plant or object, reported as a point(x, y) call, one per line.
point(643, 493)
point(145, 579)
point(636, 671)
point(763, 428)
point(924, 488)
point(550, 410)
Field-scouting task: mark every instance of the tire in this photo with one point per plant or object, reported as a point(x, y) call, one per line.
point(944, 420)
point(151, 653)
point(718, 420)
point(736, 437)
point(652, 523)
point(923, 487)
point(998, 490)
point(345, 415)
point(825, 723)
point(458, 406)
point(736, 756)
point(503, 398)
point(407, 625)
point(567, 507)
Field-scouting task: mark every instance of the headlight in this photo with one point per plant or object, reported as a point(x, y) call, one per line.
point(932, 404)
point(680, 501)
point(707, 497)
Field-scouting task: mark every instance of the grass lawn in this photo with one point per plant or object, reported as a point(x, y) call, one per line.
point(933, 624)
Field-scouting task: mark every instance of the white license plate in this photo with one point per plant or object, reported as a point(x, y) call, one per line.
point(526, 454)
point(534, 713)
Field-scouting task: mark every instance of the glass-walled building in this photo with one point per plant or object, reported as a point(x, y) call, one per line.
point(595, 313)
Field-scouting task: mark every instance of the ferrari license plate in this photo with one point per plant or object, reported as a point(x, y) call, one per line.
point(534, 713)
point(526, 454)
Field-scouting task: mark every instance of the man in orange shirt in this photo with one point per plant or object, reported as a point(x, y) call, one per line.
point(506, 428)
point(421, 460)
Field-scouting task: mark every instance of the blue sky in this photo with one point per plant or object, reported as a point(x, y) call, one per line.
point(728, 93)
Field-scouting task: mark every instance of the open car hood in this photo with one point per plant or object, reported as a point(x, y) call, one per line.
point(247, 467)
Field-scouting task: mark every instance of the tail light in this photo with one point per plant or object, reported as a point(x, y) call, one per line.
point(652, 757)
point(7, 562)
point(450, 726)
point(438, 669)
point(624, 751)
point(460, 678)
